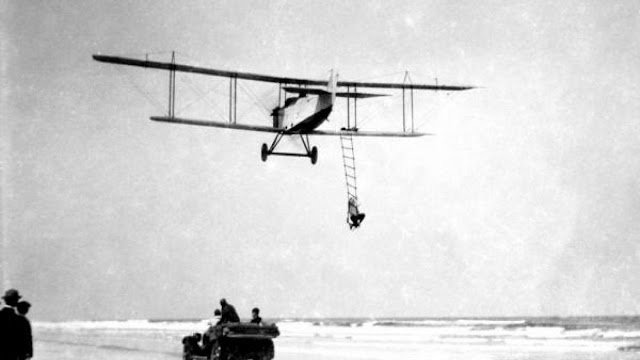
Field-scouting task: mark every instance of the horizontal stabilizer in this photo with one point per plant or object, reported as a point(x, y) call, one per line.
point(358, 95)
point(299, 90)
point(315, 91)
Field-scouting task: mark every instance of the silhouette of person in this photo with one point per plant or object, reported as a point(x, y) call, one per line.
point(23, 329)
point(9, 338)
point(191, 346)
point(217, 315)
point(255, 316)
point(355, 215)
point(229, 313)
point(210, 336)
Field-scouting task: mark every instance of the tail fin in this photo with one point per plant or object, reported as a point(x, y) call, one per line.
point(332, 84)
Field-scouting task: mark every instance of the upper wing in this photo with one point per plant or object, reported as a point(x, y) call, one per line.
point(267, 78)
point(205, 71)
point(270, 129)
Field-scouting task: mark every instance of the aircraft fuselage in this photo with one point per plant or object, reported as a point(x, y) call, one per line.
point(303, 113)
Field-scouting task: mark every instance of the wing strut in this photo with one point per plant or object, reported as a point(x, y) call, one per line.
point(172, 86)
point(171, 114)
point(405, 82)
point(355, 108)
point(233, 100)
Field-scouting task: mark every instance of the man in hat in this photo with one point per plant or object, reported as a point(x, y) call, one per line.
point(8, 326)
point(25, 346)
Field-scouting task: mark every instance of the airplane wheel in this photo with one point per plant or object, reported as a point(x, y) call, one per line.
point(314, 155)
point(265, 152)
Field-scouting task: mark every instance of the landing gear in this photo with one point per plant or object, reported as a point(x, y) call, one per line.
point(311, 153)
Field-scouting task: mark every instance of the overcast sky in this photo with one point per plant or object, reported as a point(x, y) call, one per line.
point(526, 202)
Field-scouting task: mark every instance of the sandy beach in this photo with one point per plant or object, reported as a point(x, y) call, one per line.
point(321, 343)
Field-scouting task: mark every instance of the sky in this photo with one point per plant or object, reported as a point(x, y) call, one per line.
point(525, 202)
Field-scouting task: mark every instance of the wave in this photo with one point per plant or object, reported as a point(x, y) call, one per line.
point(469, 330)
point(123, 325)
point(630, 348)
point(455, 322)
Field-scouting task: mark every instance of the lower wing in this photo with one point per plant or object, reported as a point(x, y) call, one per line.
point(271, 129)
point(218, 124)
point(367, 133)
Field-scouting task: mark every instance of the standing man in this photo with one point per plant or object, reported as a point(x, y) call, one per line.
point(8, 326)
point(210, 336)
point(25, 346)
point(229, 313)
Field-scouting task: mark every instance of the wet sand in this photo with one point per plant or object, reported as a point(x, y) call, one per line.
point(84, 348)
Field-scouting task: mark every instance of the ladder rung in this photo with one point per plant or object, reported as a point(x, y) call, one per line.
point(349, 163)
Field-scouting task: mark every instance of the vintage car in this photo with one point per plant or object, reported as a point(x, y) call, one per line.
point(233, 341)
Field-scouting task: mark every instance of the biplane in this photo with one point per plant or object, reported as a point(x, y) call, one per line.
point(299, 115)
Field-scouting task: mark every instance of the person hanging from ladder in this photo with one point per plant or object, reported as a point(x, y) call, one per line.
point(354, 217)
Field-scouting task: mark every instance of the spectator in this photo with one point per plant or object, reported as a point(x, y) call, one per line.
point(9, 337)
point(25, 345)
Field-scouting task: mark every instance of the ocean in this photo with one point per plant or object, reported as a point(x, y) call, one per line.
point(375, 339)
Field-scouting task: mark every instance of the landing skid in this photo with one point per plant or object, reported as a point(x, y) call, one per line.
point(311, 152)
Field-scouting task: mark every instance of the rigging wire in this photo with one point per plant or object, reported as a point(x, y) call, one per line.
point(263, 108)
point(149, 98)
point(377, 77)
point(203, 96)
point(256, 101)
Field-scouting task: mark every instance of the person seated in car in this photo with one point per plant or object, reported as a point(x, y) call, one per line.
point(255, 316)
point(229, 313)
